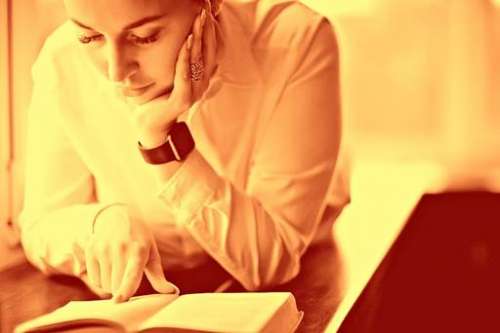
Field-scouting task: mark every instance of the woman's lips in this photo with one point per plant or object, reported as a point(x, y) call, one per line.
point(134, 92)
point(164, 92)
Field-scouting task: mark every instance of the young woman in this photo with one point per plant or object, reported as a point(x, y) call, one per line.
point(166, 134)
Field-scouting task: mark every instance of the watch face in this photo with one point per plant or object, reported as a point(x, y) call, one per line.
point(182, 139)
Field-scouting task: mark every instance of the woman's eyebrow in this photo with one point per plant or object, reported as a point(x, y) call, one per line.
point(129, 26)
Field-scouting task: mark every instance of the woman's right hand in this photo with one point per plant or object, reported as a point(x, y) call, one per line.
point(119, 251)
point(154, 118)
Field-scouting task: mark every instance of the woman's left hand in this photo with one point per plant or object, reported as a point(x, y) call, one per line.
point(154, 118)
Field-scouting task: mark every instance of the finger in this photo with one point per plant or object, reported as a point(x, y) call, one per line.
point(118, 270)
point(208, 5)
point(209, 55)
point(92, 266)
point(209, 47)
point(155, 275)
point(105, 270)
point(181, 93)
point(98, 291)
point(133, 274)
point(198, 27)
point(196, 56)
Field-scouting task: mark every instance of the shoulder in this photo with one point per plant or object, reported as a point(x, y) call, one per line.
point(58, 56)
point(287, 23)
point(285, 32)
point(284, 38)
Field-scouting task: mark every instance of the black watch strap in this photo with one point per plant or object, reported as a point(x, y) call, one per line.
point(178, 145)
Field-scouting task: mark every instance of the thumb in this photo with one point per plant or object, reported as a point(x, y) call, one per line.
point(155, 275)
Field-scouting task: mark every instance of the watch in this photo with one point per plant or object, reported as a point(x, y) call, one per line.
point(177, 147)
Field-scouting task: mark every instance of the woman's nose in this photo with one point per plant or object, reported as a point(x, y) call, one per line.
point(120, 64)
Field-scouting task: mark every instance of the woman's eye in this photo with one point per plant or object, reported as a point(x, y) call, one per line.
point(88, 39)
point(135, 39)
point(144, 40)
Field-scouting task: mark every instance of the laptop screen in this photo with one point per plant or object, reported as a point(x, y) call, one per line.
point(442, 274)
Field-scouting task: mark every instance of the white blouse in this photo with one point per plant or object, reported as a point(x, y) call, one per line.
point(253, 193)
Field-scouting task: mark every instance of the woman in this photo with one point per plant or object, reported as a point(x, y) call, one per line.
point(167, 134)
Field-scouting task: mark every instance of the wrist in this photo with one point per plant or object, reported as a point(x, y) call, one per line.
point(154, 138)
point(103, 211)
point(177, 145)
point(152, 141)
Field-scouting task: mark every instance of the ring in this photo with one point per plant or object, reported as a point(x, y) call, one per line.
point(197, 71)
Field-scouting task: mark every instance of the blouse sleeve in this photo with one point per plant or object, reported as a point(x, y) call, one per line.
point(259, 235)
point(59, 202)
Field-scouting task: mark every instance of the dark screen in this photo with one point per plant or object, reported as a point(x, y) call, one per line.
point(441, 275)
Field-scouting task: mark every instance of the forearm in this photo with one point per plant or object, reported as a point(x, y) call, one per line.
point(258, 237)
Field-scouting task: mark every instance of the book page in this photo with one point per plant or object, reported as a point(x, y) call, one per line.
point(225, 312)
point(127, 314)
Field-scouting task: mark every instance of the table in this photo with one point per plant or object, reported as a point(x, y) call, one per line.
point(26, 293)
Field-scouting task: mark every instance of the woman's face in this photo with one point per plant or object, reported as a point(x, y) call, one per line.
point(134, 43)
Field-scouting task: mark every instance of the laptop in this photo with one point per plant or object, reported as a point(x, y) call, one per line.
point(441, 274)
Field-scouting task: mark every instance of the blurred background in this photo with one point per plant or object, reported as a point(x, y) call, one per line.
point(420, 84)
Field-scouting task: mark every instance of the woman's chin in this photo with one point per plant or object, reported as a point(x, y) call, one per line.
point(137, 100)
point(164, 92)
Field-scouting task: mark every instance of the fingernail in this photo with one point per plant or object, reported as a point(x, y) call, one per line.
point(190, 42)
point(172, 288)
point(209, 5)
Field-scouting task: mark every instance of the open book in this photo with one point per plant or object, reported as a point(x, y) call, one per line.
point(206, 312)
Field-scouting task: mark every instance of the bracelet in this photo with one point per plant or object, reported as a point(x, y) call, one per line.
point(101, 210)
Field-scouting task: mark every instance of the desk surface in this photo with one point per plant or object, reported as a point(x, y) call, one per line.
point(26, 293)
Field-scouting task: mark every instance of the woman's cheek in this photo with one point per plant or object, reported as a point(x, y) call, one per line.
point(159, 63)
